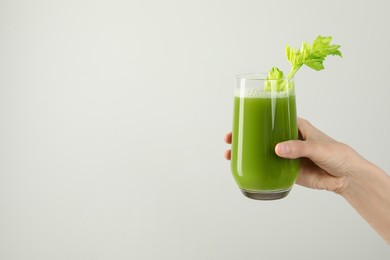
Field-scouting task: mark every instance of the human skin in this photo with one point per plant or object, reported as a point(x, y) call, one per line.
point(327, 164)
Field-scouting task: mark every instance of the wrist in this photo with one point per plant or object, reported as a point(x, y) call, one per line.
point(367, 191)
point(363, 177)
point(351, 171)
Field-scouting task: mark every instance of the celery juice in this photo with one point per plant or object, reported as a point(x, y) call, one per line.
point(261, 120)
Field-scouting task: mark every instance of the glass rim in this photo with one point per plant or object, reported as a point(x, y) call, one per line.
point(257, 76)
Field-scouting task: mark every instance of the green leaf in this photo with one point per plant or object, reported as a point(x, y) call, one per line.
point(311, 55)
point(275, 73)
point(274, 80)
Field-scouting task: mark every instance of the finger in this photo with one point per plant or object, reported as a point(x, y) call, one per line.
point(228, 138)
point(304, 128)
point(307, 131)
point(297, 149)
point(310, 174)
point(228, 154)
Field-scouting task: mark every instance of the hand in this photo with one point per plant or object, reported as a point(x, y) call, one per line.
point(325, 163)
point(331, 165)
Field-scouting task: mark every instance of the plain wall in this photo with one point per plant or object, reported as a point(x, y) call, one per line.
point(113, 113)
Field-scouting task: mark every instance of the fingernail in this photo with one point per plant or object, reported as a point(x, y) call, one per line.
point(282, 148)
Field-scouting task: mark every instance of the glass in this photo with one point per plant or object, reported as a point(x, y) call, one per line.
point(262, 118)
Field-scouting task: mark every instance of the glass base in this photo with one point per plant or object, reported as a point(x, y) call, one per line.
point(266, 195)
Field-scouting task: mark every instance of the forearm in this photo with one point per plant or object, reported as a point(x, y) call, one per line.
point(368, 191)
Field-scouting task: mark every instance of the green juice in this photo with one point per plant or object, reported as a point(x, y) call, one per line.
point(259, 123)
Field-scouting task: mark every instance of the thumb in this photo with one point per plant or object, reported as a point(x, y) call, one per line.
point(297, 148)
point(293, 149)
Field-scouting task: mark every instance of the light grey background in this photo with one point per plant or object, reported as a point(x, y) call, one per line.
point(112, 117)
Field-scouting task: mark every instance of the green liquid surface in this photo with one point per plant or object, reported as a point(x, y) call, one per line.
point(260, 123)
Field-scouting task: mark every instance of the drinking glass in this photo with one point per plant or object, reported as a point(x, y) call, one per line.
point(264, 115)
